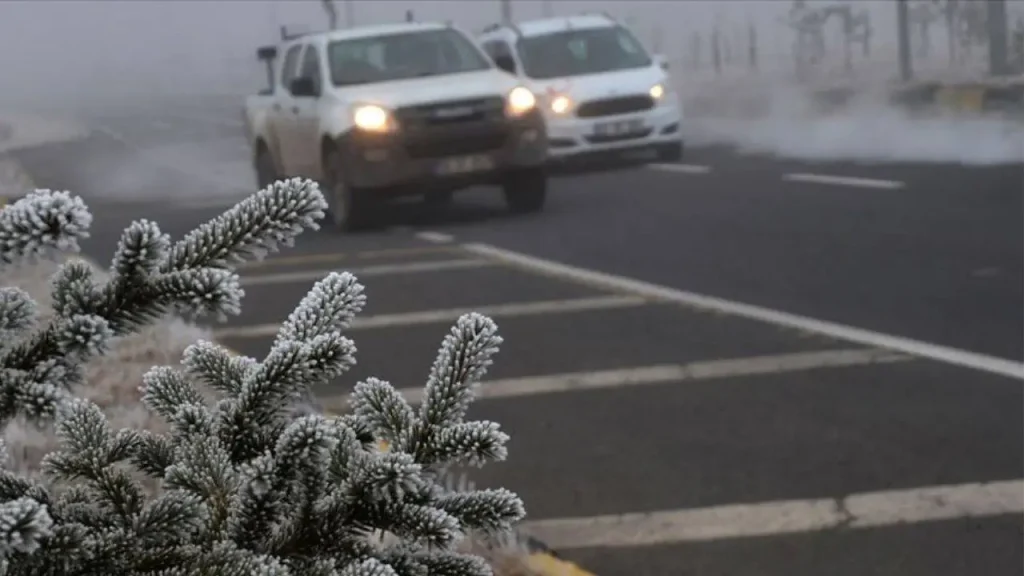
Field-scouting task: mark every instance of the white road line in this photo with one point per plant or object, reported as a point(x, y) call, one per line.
point(844, 181)
point(683, 168)
point(367, 271)
point(435, 237)
point(865, 510)
point(622, 284)
point(658, 374)
point(450, 315)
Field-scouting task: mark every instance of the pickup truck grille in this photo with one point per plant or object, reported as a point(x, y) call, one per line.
point(441, 143)
point(451, 112)
point(613, 106)
point(453, 128)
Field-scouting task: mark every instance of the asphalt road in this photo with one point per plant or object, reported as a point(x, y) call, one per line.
point(653, 438)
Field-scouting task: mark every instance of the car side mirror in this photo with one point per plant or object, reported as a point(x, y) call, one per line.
point(506, 63)
point(303, 88)
point(662, 61)
point(266, 53)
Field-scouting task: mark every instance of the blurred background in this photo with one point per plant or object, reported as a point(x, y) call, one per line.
point(50, 50)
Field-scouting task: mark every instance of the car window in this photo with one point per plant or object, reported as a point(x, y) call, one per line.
point(311, 66)
point(581, 51)
point(290, 66)
point(400, 56)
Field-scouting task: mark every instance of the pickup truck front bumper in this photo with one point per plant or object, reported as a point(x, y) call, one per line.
point(421, 160)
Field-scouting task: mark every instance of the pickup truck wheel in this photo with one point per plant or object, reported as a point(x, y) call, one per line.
point(526, 190)
point(266, 173)
point(350, 208)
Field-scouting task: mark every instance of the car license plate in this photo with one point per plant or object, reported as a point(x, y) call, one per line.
point(620, 128)
point(465, 164)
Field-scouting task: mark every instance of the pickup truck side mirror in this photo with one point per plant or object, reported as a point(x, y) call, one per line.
point(303, 88)
point(266, 53)
point(662, 61)
point(506, 63)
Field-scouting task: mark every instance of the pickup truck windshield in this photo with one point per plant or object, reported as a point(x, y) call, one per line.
point(579, 52)
point(401, 56)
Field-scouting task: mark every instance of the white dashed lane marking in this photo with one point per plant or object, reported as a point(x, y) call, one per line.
point(844, 181)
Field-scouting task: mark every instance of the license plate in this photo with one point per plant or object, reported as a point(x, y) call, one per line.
point(465, 164)
point(620, 128)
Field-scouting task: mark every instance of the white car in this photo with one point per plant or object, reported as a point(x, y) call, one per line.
point(395, 110)
point(602, 93)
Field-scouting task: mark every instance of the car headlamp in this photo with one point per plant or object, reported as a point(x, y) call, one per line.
point(657, 91)
point(520, 101)
point(560, 104)
point(372, 118)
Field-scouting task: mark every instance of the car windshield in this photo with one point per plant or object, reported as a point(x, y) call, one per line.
point(400, 56)
point(579, 52)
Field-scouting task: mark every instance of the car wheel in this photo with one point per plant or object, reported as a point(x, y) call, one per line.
point(670, 153)
point(350, 208)
point(526, 190)
point(266, 172)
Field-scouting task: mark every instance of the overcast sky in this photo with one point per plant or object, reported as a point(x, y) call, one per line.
point(67, 46)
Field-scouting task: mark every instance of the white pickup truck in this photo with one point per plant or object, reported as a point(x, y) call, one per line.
point(378, 112)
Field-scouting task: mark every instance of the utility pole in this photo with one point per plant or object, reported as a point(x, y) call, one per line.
point(506, 11)
point(998, 62)
point(903, 31)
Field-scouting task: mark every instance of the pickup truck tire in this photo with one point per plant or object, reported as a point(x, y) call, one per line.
point(350, 208)
point(266, 172)
point(526, 190)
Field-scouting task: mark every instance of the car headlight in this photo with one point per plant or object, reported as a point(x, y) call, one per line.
point(372, 118)
point(657, 91)
point(520, 101)
point(561, 104)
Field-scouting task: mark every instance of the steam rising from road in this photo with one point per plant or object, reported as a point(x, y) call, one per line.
point(75, 58)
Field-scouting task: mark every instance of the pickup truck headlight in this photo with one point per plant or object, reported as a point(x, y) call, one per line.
point(657, 91)
point(520, 101)
point(372, 118)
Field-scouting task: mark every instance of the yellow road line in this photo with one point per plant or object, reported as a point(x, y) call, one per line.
point(548, 565)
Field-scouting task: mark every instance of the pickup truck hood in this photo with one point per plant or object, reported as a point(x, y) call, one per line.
point(431, 89)
point(604, 85)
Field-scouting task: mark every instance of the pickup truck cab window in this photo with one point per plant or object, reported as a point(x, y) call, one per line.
point(401, 56)
point(311, 67)
point(290, 66)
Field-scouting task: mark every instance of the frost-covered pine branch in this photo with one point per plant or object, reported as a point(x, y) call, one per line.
point(247, 486)
point(149, 276)
point(250, 489)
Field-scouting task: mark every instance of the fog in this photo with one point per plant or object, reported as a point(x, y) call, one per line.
point(65, 56)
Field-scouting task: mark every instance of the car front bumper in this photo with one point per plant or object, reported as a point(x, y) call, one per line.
point(413, 162)
point(573, 139)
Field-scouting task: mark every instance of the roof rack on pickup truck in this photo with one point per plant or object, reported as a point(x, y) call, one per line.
point(287, 35)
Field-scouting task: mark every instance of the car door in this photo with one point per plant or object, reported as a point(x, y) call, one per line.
point(306, 116)
point(282, 114)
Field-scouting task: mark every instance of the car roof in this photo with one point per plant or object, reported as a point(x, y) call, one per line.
point(549, 25)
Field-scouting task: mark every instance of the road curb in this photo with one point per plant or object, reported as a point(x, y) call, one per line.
point(1004, 96)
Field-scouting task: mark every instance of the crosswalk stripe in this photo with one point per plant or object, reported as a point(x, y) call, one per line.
point(657, 374)
point(453, 314)
point(865, 510)
point(368, 271)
